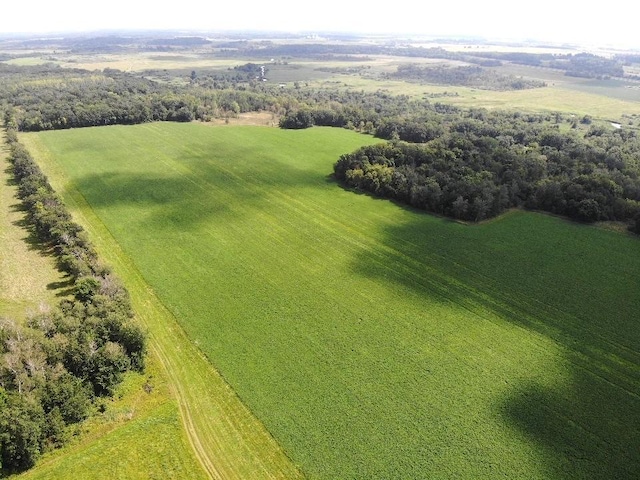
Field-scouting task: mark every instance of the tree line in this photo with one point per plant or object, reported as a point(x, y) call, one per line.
point(47, 97)
point(55, 367)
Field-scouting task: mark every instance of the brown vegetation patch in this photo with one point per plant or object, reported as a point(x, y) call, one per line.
point(251, 118)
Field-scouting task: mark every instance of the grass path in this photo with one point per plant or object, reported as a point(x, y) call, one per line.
point(28, 277)
point(229, 441)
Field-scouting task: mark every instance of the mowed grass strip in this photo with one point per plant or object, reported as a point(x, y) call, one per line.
point(140, 434)
point(373, 341)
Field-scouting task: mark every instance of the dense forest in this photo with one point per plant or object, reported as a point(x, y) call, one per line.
point(48, 97)
point(55, 367)
point(476, 168)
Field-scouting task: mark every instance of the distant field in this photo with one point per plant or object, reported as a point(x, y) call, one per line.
point(605, 99)
point(26, 61)
point(129, 61)
point(374, 341)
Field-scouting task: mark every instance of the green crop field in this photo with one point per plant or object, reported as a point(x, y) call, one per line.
point(371, 340)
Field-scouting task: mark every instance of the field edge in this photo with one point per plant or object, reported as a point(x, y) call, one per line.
point(227, 439)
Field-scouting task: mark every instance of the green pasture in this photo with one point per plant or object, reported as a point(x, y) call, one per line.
point(371, 340)
point(224, 436)
point(28, 61)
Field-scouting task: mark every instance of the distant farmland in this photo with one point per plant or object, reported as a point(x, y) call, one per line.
point(374, 341)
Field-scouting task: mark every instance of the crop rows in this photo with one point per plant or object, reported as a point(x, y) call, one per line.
point(371, 340)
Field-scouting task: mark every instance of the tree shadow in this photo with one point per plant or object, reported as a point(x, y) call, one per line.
point(186, 201)
point(575, 286)
point(10, 179)
point(63, 288)
point(33, 242)
point(588, 429)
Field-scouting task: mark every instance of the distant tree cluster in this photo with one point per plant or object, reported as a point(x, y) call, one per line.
point(53, 368)
point(580, 64)
point(47, 97)
point(473, 170)
point(180, 41)
point(588, 65)
point(360, 111)
point(468, 76)
point(585, 65)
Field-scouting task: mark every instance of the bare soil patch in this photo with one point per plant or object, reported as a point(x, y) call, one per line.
point(267, 119)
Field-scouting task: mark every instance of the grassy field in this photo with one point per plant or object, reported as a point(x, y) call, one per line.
point(579, 97)
point(139, 436)
point(371, 340)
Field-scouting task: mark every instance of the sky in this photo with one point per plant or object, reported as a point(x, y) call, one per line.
point(568, 21)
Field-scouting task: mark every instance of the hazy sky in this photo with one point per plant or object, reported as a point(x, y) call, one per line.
point(554, 20)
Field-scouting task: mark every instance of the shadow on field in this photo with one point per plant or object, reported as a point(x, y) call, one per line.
point(10, 179)
point(63, 288)
point(30, 238)
point(572, 284)
point(586, 430)
point(184, 200)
